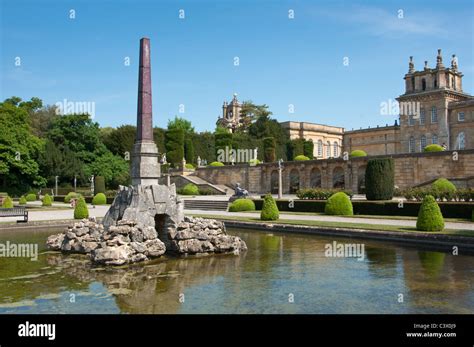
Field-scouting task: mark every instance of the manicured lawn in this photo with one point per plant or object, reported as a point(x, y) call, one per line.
point(404, 229)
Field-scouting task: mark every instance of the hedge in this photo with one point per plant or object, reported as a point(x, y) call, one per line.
point(375, 208)
point(419, 193)
point(242, 205)
point(319, 193)
point(379, 179)
point(301, 158)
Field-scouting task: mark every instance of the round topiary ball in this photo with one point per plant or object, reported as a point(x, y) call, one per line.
point(47, 200)
point(269, 209)
point(430, 217)
point(71, 195)
point(22, 200)
point(358, 153)
point(444, 185)
point(31, 197)
point(189, 189)
point(99, 199)
point(242, 205)
point(216, 163)
point(7, 202)
point(433, 148)
point(301, 158)
point(339, 204)
point(81, 211)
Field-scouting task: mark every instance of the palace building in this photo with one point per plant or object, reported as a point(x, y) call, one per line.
point(433, 110)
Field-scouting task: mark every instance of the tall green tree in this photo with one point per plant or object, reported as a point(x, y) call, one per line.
point(174, 142)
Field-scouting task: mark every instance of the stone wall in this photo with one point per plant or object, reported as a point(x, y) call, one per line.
point(410, 170)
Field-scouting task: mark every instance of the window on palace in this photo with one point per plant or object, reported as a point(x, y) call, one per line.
point(423, 84)
point(320, 148)
point(461, 116)
point(411, 120)
point(328, 149)
point(435, 84)
point(336, 149)
point(434, 139)
point(422, 143)
point(411, 145)
point(422, 116)
point(461, 141)
point(434, 115)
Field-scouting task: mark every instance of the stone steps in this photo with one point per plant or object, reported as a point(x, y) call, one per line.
point(209, 205)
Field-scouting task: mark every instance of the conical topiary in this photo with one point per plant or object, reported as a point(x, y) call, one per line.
point(430, 217)
point(47, 200)
point(7, 203)
point(99, 199)
point(269, 209)
point(81, 211)
point(22, 200)
point(339, 204)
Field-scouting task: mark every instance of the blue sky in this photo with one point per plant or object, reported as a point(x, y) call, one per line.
point(282, 61)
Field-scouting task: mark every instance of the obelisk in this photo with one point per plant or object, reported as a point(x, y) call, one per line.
point(145, 168)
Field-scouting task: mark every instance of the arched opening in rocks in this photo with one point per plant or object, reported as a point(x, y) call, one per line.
point(274, 182)
point(315, 178)
point(161, 225)
point(361, 179)
point(338, 178)
point(294, 181)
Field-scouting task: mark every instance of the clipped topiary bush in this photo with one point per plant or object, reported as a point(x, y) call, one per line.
point(254, 162)
point(433, 148)
point(190, 166)
point(444, 185)
point(269, 154)
point(189, 189)
point(358, 153)
point(70, 196)
point(99, 199)
point(31, 197)
point(430, 217)
point(339, 204)
point(269, 209)
point(379, 179)
point(301, 158)
point(47, 200)
point(242, 205)
point(22, 200)
point(7, 202)
point(81, 211)
point(216, 163)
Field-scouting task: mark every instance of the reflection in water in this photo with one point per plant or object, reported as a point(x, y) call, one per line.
point(257, 281)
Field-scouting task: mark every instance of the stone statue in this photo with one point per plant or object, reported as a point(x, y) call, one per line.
point(198, 160)
point(239, 193)
point(184, 163)
point(411, 66)
point(454, 63)
point(163, 159)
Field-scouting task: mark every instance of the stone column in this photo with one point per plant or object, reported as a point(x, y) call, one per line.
point(145, 168)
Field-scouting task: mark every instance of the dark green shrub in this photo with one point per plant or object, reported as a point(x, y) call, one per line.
point(430, 217)
point(301, 158)
point(242, 205)
point(22, 200)
point(295, 148)
point(174, 144)
point(339, 204)
point(444, 185)
point(308, 148)
point(189, 189)
point(7, 202)
point(205, 191)
point(81, 211)
point(379, 179)
point(433, 148)
point(99, 199)
point(254, 162)
point(269, 154)
point(47, 200)
point(269, 209)
point(71, 195)
point(190, 166)
point(31, 197)
point(358, 153)
point(216, 163)
point(221, 141)
point(319, 193)
point(189, 150)
point(99, 184)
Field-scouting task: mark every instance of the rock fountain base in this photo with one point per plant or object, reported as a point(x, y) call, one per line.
point(143, 223)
